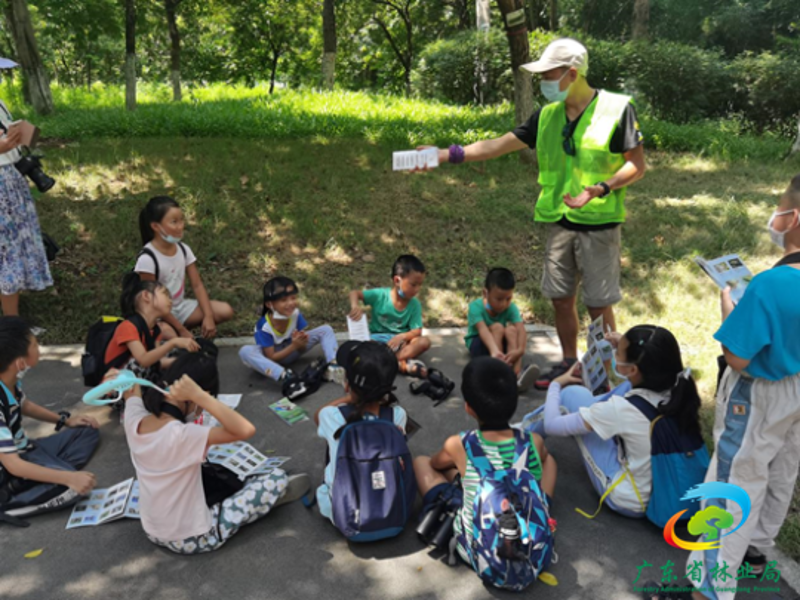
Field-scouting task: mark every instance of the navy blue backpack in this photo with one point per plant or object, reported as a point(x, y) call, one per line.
point(679, 462)
point(374, 486)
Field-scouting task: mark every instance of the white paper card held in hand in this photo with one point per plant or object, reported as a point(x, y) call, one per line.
point(358, 330)
point(406, 160)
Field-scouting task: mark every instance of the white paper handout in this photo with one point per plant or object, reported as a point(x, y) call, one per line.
point(405, 160)
point(358, 330)
point(229, 400)
point(243, 460)
point(726, 271)
point(102, 506)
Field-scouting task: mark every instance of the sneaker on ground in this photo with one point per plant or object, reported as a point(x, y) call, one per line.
point(299, 485)
point(527, 377)
point(543, 382)
point(334, 373)
point(756, 559)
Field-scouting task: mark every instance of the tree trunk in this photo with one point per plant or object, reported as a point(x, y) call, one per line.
point(553, 15)
point(175, 48)
point(329, 44)
point(36, 82)
point(130, 54)
point(523, 83)
point(641, 19)
point(274, 70)
point(796, 146)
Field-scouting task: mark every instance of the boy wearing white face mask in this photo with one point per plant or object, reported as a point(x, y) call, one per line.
point(281, 336)
point(41, 475)
point(757, 425)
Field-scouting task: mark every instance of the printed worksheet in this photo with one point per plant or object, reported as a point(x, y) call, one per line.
point(102, 506)
point(288, 411)
point(727, 271)
point(243, 459)
point(406, 160)
point(358, 330)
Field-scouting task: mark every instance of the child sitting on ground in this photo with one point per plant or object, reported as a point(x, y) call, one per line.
point(490, 393)
point(281, 336)
point(370, 369)
point(166, 259)
point(168, 451)
point(137, 344)
point(495, 327)
point(43, 475)
point(397, 314)
point(649, 358)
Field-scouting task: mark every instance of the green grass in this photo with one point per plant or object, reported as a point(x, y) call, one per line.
point(221, 110)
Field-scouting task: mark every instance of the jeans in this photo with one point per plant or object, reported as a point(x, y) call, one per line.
point(253, 356)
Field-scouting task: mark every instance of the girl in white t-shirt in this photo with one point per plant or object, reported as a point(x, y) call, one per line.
point(167, 259)
point(168, 450)
point(649, 357)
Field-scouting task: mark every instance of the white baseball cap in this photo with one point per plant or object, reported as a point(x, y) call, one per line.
point(6, 63)
point(565, 52)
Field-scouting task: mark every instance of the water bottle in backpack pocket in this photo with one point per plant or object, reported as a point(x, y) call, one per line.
point(374, 487)
point(512, 538)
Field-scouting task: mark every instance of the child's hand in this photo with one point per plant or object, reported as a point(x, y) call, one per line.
point(82, 421)
point(397, 342)
point(355, 312)
point(726, 302)
point(82, 482)
point(185, 389)
point(500, 356)
point(571, 377)
point(186, 344)
point(185, 333)
point(613, 338)
point(209, 328)
point(300, 340)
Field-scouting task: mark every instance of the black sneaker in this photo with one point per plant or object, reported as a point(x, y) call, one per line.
point(543, 382)
point(756, 559)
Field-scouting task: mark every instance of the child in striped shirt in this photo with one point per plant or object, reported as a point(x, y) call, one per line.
point(489, 387)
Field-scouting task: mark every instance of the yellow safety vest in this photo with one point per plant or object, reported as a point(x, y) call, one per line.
point(561, 174)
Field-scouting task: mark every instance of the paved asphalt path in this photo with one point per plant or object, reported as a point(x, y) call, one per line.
point(294, 553)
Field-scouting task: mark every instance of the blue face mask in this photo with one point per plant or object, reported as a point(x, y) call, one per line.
point(400, 292)
point(614, 369)
point(551, 92)
point(487, 306)
point(170, 239)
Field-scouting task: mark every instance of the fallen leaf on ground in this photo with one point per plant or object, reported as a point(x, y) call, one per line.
point(34, 553)
point(548, 578)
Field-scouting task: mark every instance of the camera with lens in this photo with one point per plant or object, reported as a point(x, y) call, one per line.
point(30, 165)
point(436, 527)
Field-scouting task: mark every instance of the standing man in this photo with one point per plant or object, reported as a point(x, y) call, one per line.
point(589, 149)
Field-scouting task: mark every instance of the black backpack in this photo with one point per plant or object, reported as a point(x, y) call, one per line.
point(307, 382)
point(148, 252)
point(93, 363)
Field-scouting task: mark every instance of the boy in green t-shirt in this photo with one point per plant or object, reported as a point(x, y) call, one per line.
point(397, 314)
point(495, 327)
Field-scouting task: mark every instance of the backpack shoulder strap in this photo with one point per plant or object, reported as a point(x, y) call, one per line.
point(147, 252)
point(476, 455)
point(183, 249)
point(144, 330)
point(647, 409)
point(387, 414)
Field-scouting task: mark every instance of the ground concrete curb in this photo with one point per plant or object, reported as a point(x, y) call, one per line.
point(68, 351)
point(790, 570)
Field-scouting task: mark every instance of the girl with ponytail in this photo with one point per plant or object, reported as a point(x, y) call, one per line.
point(649, 357)
point(136, 344)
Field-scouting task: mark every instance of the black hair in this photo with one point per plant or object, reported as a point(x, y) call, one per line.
point(277, 288)
point(132, 287)
point(15, 341)
point(154, 212)
point(489, 387)
point(657, 354)
point(501, 278)
point(200, 366)
point(371, 370)
point(407, 264)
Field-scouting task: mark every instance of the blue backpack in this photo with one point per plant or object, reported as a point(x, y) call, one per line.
point(374, 486)
point(512, 540)
point(679, 462)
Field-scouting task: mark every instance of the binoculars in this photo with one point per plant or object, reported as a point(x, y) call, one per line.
point(436, 528)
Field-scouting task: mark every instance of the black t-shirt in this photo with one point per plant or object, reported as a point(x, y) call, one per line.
point(626, 137)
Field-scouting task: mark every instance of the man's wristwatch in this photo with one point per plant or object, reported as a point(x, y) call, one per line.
point(62, 419)
point(606, 188)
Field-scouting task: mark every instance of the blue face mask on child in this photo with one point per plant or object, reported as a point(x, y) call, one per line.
point(170, 239)
point(400, 292)
point(487, 306)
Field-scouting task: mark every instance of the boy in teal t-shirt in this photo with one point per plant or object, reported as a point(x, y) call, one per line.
point(495, 327)
point(397, 314)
